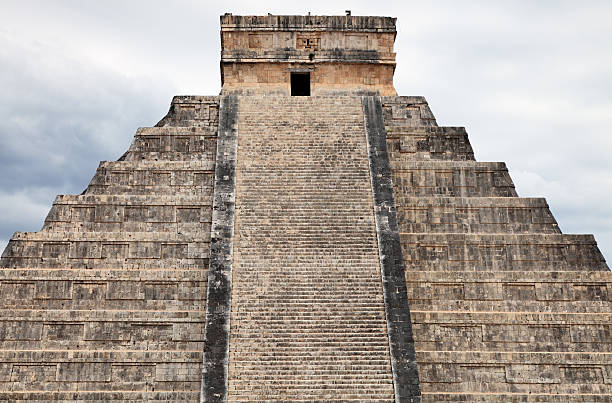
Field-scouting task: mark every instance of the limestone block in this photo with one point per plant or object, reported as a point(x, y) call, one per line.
point(15, 290)
point(177, 372)
point(33, 374)
point(121, 290)
point(63, 331)
point(56, 289)
point(155, 291)
point(5, 372)
point(84, 371)
point(108, 331)
point(591, 333)
point(89, 290)
point(11, 330)
point(132, 373)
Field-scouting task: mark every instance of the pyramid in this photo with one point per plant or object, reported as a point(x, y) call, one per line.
point(307, 235)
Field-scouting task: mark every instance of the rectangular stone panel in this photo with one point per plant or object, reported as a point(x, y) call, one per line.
point(17, 290)
point(438, 373)
point(115, 250)
point(28, 374)
point(25, 331)
point(172, 250)
point(89, 290)
point(591, 292)
point(55, 289)
point(132, 373)
point(55, 249)
point(63, 331)
point(108, 213)
point(125, 290)
point(145, 250)
point(521, 373)
point(177, 372)
point(85, 250)
point(582, 374)
point(108, 331)
point(482, 374)
point(84, 372)
point(152, 332)
point(591, 333)
point(163, 291)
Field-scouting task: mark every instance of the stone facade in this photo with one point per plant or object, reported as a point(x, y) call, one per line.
point(108, 300)
point(504, 307)
point(341, 54)
point(340, 247)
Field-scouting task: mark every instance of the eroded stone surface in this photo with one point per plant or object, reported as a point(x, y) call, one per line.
point(108, 301)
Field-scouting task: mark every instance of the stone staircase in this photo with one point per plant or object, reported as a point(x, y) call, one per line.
point(107, 301)
point(504, 307)
point(308, 316)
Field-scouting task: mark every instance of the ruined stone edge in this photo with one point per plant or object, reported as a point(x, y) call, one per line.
point(399, 327)
point(218, 299)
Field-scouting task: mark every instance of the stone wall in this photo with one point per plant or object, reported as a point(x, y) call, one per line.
point(108, 300)
point(343, 54)
point(504, 307)
point(326, 78)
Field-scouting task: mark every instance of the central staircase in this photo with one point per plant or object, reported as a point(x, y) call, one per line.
point(308, 315)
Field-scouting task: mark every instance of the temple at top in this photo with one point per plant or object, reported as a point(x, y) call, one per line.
point(307, 55)
point(306, 235)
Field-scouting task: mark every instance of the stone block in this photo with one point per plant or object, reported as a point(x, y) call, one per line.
point(177, 372)
point(63, 331)
point(84, 372)
point(520, 373)
point(132, 373)
point(20, 331)
point(108, 331)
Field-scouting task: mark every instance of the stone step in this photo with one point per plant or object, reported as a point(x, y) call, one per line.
point(130, 213)
point(139, 392)
point(522, 252)
point(106, 250)
point(514, 372)
point(512, 331)
point(510, 305)
point(173, 144)
point(192, 111)
point(475, 215)
point(43, 373)
point(128, 290)
point(407, 111)
point(305, 159)
point(572, 397)
point(152, 177)
point(450, 178)
point(548, 289)
point(428, 143)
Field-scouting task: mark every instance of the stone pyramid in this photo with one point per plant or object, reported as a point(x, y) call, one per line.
point(308, 235)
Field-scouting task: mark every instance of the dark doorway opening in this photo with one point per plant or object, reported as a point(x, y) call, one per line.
point(300, 84)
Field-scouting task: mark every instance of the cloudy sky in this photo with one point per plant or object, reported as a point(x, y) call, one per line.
point(530, 80)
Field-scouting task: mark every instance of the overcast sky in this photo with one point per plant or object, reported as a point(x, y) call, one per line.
point(530, 80)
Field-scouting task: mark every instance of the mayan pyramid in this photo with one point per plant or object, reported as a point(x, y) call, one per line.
point(307, 235)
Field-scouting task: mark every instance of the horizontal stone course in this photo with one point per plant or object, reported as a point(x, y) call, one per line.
point(428, 143)
point(436, 214)
point(173, 143)
point(474, 252)
point(451, 178)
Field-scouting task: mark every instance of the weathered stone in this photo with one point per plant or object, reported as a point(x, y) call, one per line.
point(318, 237)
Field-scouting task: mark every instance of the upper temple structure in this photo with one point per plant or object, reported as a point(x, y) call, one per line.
point(307, 55)
point(307, 235)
